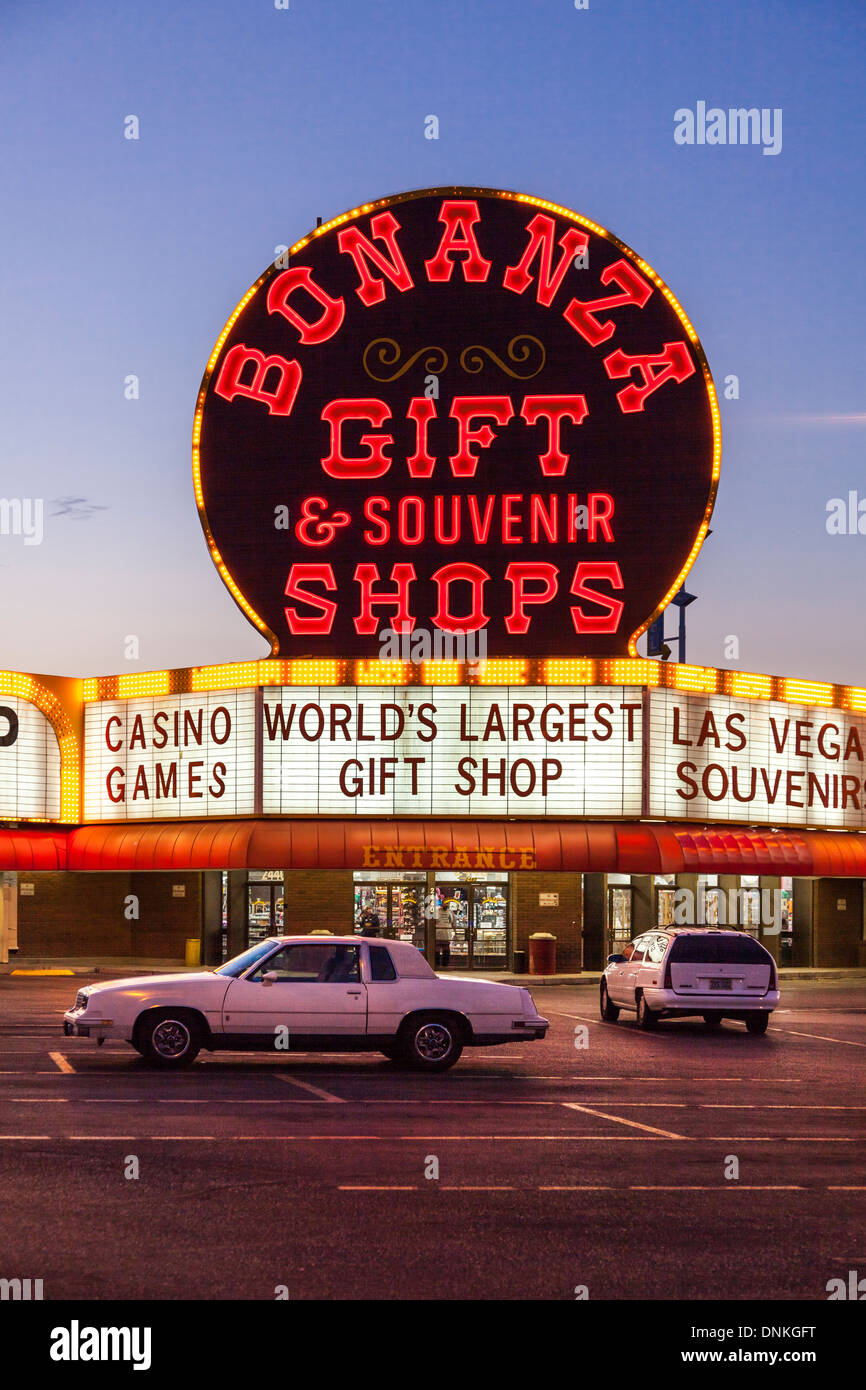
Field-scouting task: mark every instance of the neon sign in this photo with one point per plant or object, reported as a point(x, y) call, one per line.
point(462, 409)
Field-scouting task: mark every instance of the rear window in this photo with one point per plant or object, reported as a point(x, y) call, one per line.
point(718, 950)
point(381, 964)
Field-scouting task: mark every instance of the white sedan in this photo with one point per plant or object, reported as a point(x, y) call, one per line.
point(310, 994)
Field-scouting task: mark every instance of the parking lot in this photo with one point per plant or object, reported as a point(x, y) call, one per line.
point(600, 1157)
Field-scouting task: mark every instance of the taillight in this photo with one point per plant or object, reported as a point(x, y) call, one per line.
point(774, 975)
point(668, 980)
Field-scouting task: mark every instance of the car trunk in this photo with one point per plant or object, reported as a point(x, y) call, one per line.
point(708, 965)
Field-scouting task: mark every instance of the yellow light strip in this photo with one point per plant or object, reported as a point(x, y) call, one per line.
point(313, 671)
point(569, 670)
point(23, 686)
point(441, 673)
point(700, 679)
point(143, 683)
point(504, 671)
point(747, 686)
point(382, 672)
point(632, 672)
point(854, 698)
point(806, 692)
point(238, 673)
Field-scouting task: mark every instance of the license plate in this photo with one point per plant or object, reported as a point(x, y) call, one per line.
point(721, 984)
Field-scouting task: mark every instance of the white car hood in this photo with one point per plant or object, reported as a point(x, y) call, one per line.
point(156, 981)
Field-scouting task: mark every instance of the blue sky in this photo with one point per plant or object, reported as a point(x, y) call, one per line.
point(124, 257)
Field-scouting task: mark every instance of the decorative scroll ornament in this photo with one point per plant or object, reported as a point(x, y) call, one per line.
point(522, 350)
point(386, 353)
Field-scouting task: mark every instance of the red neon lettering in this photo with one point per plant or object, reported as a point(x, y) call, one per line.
point(604, 622)
point(473, 575)
point(543, 517)
point(519, 575)
point(371, 513)
point(600, 512)
point(300, 277)
point(554, 409)
point(541, 233)
point(480, 528)
point(439, 520)
point(401, 576)
point(674, 363)
point(416, 536)
point(301, 574)
point(354, 243)
point(377, 460)
point(509, 520)
point(465, 409)
point(280, 400)
point(422, 409)
point(635, 290)
point(314, 527)
point(459, 216)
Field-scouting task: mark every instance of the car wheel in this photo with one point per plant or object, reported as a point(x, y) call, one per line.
point(172, 1039)
point(608, 1011)
point(758, 1023)
point(713, 1020)
point(646, 1019)
point(433, 1043)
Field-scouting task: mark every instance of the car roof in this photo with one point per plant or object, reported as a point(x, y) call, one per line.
point(409, 961)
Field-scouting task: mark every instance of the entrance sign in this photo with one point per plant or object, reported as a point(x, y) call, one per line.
point(462, 409)
point(29, 763)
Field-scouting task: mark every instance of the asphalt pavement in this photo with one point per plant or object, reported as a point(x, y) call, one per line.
point(678, 1164)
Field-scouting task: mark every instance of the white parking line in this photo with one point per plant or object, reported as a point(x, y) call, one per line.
point(617, 1119)
point(315, 1090)
point(62, 1062)
point(846, 1042)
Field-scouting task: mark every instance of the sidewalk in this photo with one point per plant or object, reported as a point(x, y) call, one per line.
point(112, 967)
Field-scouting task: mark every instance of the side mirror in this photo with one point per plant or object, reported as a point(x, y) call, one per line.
point(270, 977)
point(616, 960)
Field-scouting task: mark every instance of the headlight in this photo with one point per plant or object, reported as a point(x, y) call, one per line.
point(81, 998)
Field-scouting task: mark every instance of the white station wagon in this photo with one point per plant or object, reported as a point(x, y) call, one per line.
point(683, 971)
point(310, 994)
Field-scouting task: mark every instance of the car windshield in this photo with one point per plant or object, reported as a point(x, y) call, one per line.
point(238, 964)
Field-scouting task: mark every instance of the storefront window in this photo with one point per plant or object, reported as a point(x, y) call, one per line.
point(619, 913)
point(665, 890)
point(479, 910)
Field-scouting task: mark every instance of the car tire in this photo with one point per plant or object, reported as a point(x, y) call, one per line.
point(713, 1021)
point(609, 1012)
point(172, 1038)
point(431, 1043)
point(758, 1023)
point(646, 1019)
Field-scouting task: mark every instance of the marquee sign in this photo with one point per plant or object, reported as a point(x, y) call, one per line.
point(29, 763)
point(461, 409)
point(594, 751)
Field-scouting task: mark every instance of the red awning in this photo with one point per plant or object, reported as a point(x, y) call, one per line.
point(647, 847)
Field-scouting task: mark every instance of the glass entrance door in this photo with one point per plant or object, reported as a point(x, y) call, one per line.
point(264, 911)
point(480, 912)
point(395, 909)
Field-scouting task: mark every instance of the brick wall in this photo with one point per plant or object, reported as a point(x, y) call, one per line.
point(564, 921)
point(83, 914)
point(319, 898)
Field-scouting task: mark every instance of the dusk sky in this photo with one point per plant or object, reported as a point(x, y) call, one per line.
point(126, 257)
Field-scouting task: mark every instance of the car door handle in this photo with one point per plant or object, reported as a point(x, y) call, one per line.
point(354, 991)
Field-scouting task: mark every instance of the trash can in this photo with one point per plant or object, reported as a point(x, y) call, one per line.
point(192, 955)
point(520, 962)
point(542, 953)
